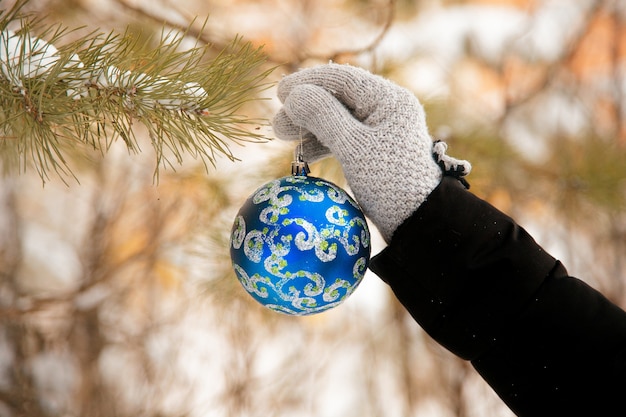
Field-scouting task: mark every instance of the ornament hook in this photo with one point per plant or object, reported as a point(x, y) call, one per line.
point(299, 167)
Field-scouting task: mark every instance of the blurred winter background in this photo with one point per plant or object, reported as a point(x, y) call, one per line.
point(116, 294)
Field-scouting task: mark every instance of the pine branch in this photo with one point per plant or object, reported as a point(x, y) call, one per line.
point(58, 98)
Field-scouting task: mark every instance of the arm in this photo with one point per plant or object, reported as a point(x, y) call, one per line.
point(548, 344)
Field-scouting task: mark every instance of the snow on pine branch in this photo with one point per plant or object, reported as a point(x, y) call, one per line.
point(23, 56)
point(186, 97)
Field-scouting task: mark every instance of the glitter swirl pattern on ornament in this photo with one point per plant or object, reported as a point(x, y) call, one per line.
point(300, 245)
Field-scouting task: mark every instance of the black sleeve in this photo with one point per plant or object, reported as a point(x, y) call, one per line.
point(481, 286)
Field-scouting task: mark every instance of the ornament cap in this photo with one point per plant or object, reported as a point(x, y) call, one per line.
point(299, 167)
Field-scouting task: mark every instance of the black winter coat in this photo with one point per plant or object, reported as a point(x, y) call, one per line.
point(547, 343)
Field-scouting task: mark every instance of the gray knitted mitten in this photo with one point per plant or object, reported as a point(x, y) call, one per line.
point(377, 131)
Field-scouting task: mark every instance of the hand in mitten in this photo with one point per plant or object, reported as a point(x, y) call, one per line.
point(377, 131)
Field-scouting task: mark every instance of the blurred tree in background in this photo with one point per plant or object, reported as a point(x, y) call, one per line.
point(116, 294)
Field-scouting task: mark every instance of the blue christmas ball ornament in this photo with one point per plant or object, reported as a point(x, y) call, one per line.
point(300, 245)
